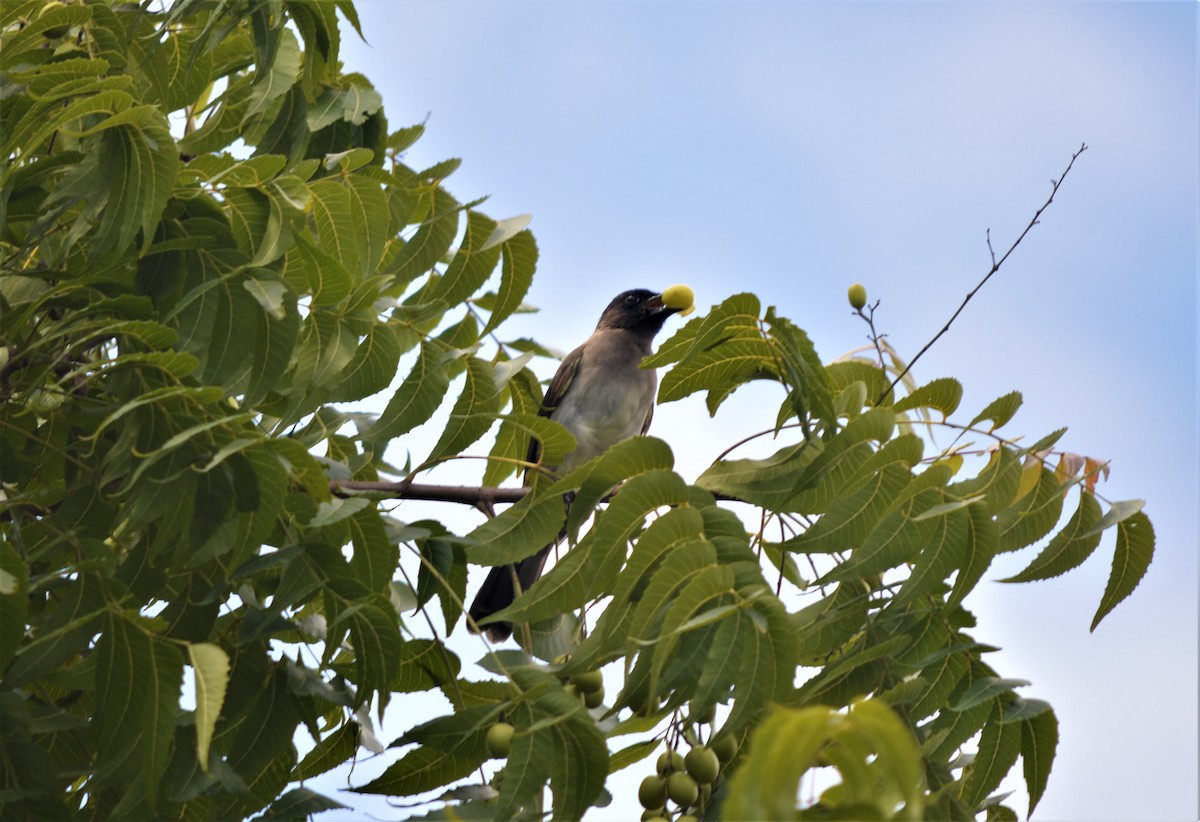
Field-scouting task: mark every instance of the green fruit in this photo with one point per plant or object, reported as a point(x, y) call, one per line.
point(499, 739)
point(725, 748)
point(702, 765)
point(682, 789)
point(707, 717)
point(687, 817)
point(652, 793)
point(670, 761)
point(857, 295)
point(595, 699)
point(679, 296)
point(588, 681)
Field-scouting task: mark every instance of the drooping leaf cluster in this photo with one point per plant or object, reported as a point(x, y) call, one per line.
point(212, 252)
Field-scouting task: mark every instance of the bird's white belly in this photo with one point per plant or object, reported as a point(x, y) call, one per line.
point(613, 414)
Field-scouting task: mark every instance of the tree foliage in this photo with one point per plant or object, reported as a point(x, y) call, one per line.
point(213, 250)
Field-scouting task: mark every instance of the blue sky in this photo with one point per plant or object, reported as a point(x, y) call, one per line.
point(791, 149)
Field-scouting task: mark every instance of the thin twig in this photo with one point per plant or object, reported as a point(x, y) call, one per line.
point(995, 267)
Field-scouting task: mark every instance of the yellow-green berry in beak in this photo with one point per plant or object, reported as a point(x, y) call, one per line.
point(680, 297)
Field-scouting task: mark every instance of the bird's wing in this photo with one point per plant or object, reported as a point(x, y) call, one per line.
point(554, 393)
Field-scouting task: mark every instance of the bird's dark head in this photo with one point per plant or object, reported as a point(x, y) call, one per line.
point(639, 309)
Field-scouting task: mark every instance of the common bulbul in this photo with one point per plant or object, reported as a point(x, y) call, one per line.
point(602, 397)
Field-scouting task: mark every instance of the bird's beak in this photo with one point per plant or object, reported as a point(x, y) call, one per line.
point(655, 305)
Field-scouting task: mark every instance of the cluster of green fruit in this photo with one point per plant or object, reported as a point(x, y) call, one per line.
point(687, 781)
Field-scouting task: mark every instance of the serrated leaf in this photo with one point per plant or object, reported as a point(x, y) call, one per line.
point(372, 368)
point(943, 394)
point(999, 746)
point(421, 770)
point(1131, 559)
point(299, 803)
point(590, 567)
point(417, 397)
point(1069, 547)
point(473, 413)
point(1033, 514)
point(945, 549)
point(978, 550)
point(1039, 740)
point(999, 411)
point(330, 752)
point(518, 261)
point(424, 664)
point(138, 681)
point(851, 518)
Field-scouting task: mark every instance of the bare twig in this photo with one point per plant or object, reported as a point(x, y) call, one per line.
point(995, 267)
point(874, 336)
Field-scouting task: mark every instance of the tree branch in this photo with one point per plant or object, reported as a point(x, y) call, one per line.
point(995, 267)
point(474, 495)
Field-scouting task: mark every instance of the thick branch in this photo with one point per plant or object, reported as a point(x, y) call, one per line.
point(995, 267)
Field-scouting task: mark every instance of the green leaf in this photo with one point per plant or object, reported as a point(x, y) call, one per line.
point(942, 394)
point(331, 751)
point(417, 397)
point(429, 244)
point(1069, 547)
point(978, 550)
point(519, 255)
point(1039, 740)
point(1120, 511)
point(592, 566)
point(424, 664)
point(715, 353)
point(375, 635)
point(271, 83)
point(1031, 516)
point(14, 601)
point(372, 368)
point(471, 265)
point(852, 518)
point(999, 410)
point(808, 386)
point(210, 666)
point(528, 766)
point(473, 413)
point(352, 101)
point(945, 550)
point(999, 746)
point(983, 689)
point(876, 756)
point(299, 803)
point(138, 679)
point(1131, 559)
point(421, 770)
point(375, 558)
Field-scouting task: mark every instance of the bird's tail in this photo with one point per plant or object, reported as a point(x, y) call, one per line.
point(498, 593)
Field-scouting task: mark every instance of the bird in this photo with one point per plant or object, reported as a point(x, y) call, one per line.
point(602, 397)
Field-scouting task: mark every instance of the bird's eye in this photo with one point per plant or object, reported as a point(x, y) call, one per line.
point(631, 299)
